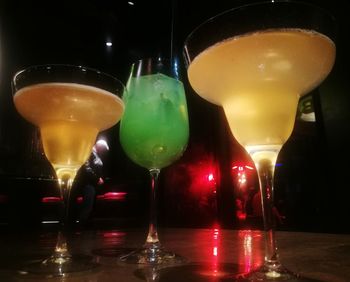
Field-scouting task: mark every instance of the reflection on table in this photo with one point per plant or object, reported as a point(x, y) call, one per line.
point(212, 254)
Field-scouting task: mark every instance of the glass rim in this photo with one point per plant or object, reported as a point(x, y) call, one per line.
point(159, 57)
point(80, 68)
point(166, 59)
point(255, 4)
point(161, 64)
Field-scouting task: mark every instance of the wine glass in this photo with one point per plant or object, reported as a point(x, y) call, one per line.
point(154, 133)
point(70, 105)
point(256, 61)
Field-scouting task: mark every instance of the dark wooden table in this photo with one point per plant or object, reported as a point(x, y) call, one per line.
point(211, 254)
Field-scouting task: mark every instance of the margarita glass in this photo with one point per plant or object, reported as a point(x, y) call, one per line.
point(70, 105)
point(256, 61)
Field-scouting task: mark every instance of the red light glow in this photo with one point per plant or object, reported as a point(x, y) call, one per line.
point(215, 251)
point(51, 200)
point(195, 182)
point(242, 173)
point(242, 167)
point(109, 196)
point(113, 196)
point(204, 179)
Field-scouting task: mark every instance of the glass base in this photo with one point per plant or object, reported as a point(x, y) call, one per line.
point(281, 274)
point(60, 266)
point(152, 256)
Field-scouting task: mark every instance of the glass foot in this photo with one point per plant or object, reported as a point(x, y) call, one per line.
point(153, 256)
point(281, 274)
point(60, 266)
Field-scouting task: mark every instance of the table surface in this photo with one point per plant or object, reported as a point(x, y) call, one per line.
point(211, 254)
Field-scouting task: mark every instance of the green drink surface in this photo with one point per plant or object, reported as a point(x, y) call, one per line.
point(154, 129)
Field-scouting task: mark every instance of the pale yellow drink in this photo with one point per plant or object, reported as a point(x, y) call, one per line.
point(69, 116)
point(258, 79)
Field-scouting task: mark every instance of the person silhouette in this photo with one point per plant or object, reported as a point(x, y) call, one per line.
point(90, 176)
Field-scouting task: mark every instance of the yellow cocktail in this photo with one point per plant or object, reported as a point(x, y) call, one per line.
point(258, 79)
point(69, 116)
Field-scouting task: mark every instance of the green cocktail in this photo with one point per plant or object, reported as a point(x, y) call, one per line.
point(154, 129)
point(154, 133)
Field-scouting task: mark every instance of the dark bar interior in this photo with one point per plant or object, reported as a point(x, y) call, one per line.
point(215, 182)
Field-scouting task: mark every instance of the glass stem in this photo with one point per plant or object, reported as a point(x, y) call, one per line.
point(265, 161)
point(61, 249)
point(152, 240)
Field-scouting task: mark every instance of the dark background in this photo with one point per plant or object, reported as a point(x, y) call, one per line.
point(312, 179)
